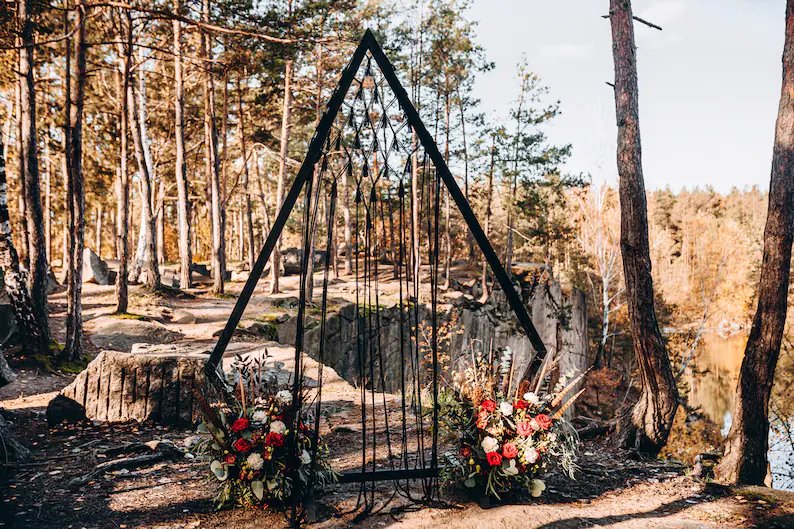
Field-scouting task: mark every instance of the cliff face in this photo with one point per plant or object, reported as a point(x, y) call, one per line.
point(375, 348)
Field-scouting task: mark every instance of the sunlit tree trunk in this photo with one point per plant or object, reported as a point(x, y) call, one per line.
point(286, 127)
point(125, 51)
point(37, 251)
point(137, 120)
point(33, 341)
point(212, 159)
point(73, 349)
point(488, 213)
point(182, 185)
point(649, 425)
point(248, 219)
point(745, 459)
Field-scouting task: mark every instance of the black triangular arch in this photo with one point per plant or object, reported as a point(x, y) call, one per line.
point(369, 43)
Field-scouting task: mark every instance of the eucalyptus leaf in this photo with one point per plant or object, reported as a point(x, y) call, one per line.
point(258, 488)
point(220, 470)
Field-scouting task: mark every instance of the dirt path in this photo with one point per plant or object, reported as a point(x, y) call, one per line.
point(611, 491)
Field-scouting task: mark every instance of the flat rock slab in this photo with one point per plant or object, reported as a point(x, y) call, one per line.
point(120, 334)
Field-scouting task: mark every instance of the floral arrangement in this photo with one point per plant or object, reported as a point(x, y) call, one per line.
point(506, 438)
point(252, 438)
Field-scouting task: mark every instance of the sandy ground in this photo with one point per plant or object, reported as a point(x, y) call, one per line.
point(611, 491)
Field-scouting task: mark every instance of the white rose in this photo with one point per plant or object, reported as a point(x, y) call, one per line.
point(284, 396)
point(531, 456)
point(532, 398)
point(489, 444)
point(306, 458)
point(506, 408)
point(259, 416)
point(254, 461)
point(278, 427)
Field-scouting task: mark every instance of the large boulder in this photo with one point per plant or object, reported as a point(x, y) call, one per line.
point(200, 269)
point(292, 260)
point(154, 385)
point(95, 270)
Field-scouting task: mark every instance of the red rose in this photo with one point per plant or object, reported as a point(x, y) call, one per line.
point(240, 424)
point(465, 451)
point(509, 450)
point(544, 421)
point(274, 439)
point(488, 405)
point(242, 445)
point(494, 459)
point(520, 404)
point(229, 459)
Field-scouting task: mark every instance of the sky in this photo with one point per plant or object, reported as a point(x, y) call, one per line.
point(709, 83)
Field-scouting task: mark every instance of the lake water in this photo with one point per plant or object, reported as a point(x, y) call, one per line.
point(713, 389)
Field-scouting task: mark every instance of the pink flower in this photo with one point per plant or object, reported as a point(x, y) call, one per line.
point(509, 450)
point(524, 428)
point(544, 421)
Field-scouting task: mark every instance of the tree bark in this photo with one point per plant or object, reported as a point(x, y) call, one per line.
point(37, 251)
point(137, 120)
point(488, 213)
point(33, 341)
point(212, 159)
point(286, 127)
point(76, 196)
point(248, 220)
point(125, 58)
point(745, 458)
point(652, 416)
point(182, 185)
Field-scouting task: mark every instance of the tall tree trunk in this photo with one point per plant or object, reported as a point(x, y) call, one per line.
point(461, 106)
point(98, 212)
point(286, 128)
point(74, 140)
point(22, 204)
point(488, 212)
point(33, 341)
point(447, 235)
point(212, 159)
point(182, 185)
point(652, 417)
point(745, 459)
point(159, 219)
point(37, 256)
point(48, 198)
point(248, 220)
point(137, 120)
point(125, 55)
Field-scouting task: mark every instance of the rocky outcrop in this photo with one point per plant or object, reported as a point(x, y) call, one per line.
point(369, 348)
